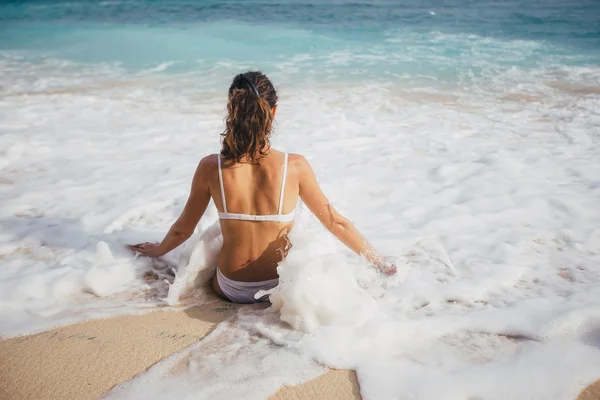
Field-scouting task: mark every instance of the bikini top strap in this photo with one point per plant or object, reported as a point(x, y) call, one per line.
point(221, 184)
point(285, 163)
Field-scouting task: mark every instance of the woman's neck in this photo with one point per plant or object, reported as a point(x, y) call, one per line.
point(250, 160)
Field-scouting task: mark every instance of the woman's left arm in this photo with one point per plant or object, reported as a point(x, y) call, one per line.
point(184, 227)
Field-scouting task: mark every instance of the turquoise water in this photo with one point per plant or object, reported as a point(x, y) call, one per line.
point(404, 42)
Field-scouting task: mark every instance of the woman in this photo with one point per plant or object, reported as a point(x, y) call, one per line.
point(255, 189)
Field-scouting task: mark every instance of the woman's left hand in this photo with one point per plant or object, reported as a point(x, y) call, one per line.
point(146, 249)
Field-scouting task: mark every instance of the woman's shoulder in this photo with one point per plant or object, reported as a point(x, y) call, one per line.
point(206, 166)
point(298, 161)
point(298, 164)
point(294, 159)
point(209, 161)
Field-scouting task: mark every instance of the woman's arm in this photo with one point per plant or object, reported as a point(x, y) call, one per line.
point(184, 227)
point(312, 195)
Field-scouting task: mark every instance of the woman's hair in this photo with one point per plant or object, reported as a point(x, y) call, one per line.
point(249, 117)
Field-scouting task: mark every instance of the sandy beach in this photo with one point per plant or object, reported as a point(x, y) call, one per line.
point(83, 361)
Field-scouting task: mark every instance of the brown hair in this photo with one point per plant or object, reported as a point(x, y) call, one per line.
point(249, 118)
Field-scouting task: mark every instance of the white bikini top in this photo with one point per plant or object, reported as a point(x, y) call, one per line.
point(249, 217)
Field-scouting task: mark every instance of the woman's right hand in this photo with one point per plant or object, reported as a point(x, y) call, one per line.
point(387, 268)
point(312, 195)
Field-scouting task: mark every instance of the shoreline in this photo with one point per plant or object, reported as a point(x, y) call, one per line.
point(84, 360)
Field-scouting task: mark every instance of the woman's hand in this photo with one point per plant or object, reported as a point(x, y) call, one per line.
point(387, 268)
point(146, 249)
point(194, 208)
point(384, 265)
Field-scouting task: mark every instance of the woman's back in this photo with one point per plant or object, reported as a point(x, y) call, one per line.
point(256, 213)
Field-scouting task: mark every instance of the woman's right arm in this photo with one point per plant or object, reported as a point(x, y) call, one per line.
point(312, 195)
